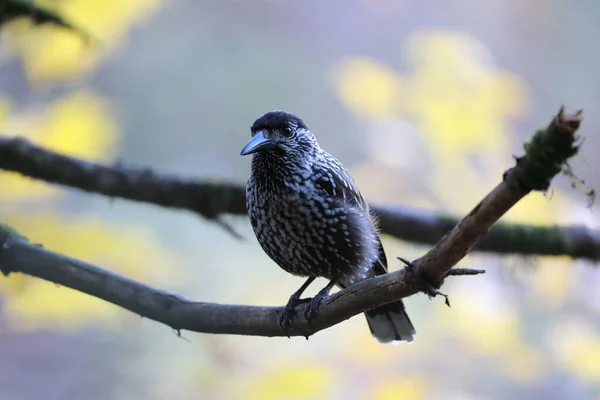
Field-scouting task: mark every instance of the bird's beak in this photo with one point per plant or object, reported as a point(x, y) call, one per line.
point(258, 143)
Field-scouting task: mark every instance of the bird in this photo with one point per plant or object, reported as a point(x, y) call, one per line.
point(311, 219)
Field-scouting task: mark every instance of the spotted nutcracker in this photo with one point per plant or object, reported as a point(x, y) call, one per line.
point(311, 219)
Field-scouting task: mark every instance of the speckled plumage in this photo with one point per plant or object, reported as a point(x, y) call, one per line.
point(311, 219)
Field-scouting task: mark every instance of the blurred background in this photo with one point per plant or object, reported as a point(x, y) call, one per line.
point(424, 101)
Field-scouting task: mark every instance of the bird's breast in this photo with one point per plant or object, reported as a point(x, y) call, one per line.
point(307, 233)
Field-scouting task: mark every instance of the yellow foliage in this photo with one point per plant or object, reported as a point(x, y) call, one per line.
point(52, 53)
point(458, 99)
point(578, 349)
point(553, 280)
point(399, 389)
point(483, 322)
point(536, 208)
point(486, 325)
point(297, 381)
point(368, 88)
point(31, 303)
point(367, 351)
point(522, 363)
point(78, 124)
point(462, 193)
point(459, 102)
point(457, 186)
point(462, 105)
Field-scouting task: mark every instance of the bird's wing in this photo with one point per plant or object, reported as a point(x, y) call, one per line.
point(380, 267)
point(336, 181)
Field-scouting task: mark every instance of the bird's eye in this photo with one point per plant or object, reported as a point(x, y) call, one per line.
point(287, 131)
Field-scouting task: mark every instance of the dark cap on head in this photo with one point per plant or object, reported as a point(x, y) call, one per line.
point(278, 119)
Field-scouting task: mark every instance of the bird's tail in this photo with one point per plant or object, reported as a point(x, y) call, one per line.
point(390, 323)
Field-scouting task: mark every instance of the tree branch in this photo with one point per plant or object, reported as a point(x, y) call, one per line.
point(212, 200)
point(549, 150)
point(425, 227)
point(18, 255)
point(546, 153)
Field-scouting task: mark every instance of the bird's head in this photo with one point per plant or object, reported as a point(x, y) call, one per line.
point(281, 134)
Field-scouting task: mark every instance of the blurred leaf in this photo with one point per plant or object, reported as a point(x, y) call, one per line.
point(399, 389)
point(292, 381)
point(459, 97)
point(457, 100)
point(578, 347)
point(539, 209)
point(368, 87)
point(523, 364)
point(482, 320)
point(553, 281)
point(108, 20)
point(368, 353)
point(455, 186)
point(78, 124)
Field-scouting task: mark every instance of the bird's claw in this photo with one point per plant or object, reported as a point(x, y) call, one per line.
point(313, 308)
point(285, 321)
point(311, 311)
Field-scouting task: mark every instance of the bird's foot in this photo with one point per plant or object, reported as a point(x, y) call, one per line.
point(313, 308)
point(285, 322)
point(422, 283)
